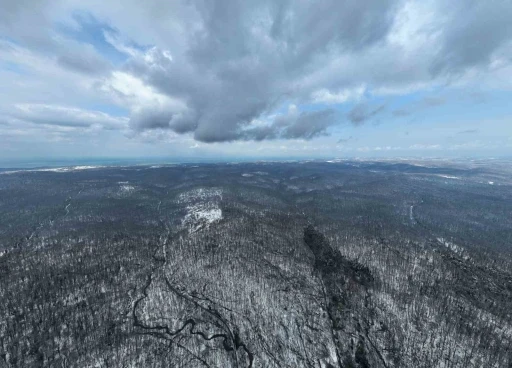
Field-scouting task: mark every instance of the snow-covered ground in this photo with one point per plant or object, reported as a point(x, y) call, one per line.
point(126, 188)
point(202, 206)
point(453, 247)
point(201, 215)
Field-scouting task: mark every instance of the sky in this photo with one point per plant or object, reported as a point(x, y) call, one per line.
point(241, 78)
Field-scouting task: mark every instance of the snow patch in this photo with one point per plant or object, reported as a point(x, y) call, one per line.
point(448, 176)
point(202, 206)
point(201, 215)
point(453, 247)
point(126, 188)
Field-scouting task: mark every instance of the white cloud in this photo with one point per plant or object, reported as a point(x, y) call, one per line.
point(212, 75)
point(425, 146)
point(119, 45)
point(131, 92)
point(66, 116)
point(328, 97)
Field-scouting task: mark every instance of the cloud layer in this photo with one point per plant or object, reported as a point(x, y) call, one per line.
point(233, 70)
point(245, 60)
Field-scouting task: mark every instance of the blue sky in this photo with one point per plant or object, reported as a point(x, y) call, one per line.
point(239, 79)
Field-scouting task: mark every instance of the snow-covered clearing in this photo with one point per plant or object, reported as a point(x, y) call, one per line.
point(202, 206)
point(126, 188)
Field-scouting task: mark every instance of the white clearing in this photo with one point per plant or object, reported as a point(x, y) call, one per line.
point(126, 188)
point(201, 215)
point(202, 208)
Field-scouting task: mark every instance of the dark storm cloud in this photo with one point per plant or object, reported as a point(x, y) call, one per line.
point(363, 112)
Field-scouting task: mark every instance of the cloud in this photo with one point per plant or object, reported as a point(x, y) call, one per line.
point(120, 45)
point(473, 31)
point(468, 131)
point(225, 70)
point(328, 97)
point(66, 116)
point(162, 118)
point(420, 105)
point(306, 125)
point(345, 140)
point(363, 112)
point(247, 59)
point(293, 125)
point(425, 147)
point(85, 61)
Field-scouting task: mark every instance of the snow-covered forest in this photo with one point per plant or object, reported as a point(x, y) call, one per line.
point(299, 264)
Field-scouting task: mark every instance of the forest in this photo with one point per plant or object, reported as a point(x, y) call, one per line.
point(347, 264)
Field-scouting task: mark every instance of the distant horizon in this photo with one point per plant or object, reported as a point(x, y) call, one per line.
point(53, 162)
